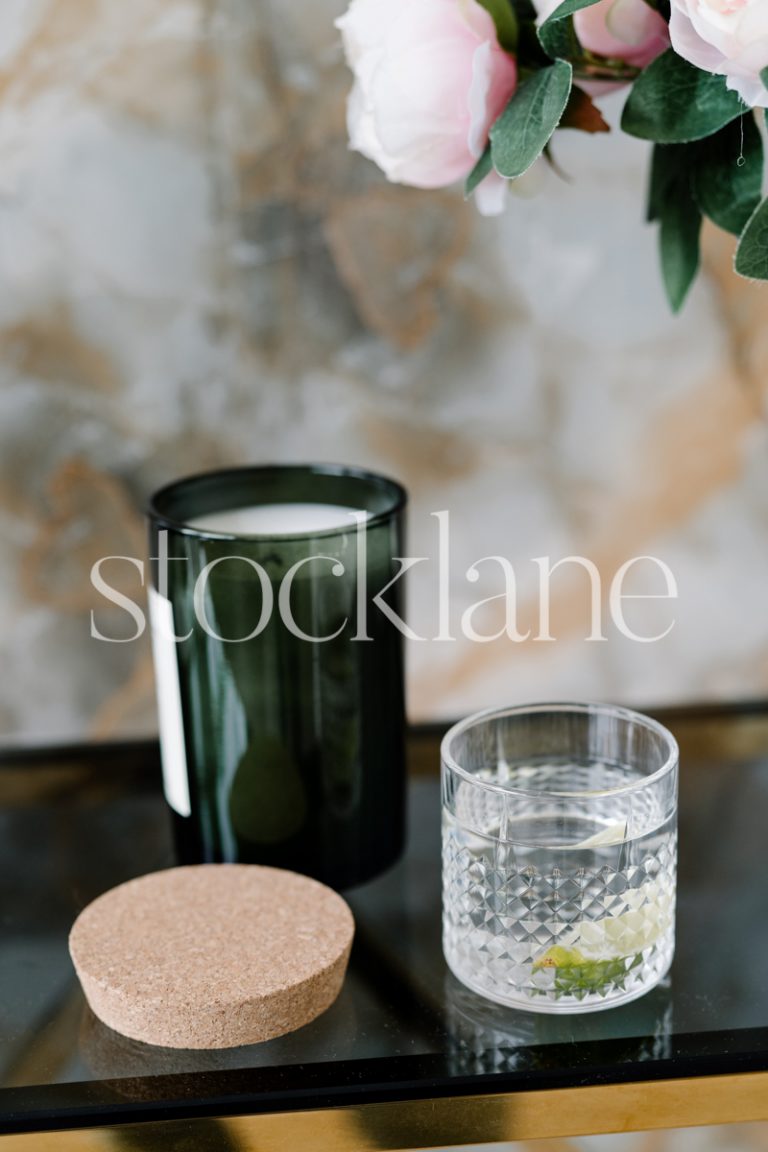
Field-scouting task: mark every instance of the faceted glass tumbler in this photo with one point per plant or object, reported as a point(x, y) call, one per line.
point(559, 855)
point(282, 719)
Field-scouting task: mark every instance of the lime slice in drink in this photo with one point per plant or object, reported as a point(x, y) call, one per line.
point(613, 834)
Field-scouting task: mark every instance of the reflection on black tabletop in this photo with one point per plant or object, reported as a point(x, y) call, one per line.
point(354, 1027)
point(485, 1037)
point(403, 1025)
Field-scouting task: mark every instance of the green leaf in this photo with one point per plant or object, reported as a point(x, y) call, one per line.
point(568, 8)
point(728, 175)
point(752, 252)
point(764, 77)
point(670, 164)
point(503, 15)
point(671, 201)
point(557, 34)
point(679, 238)
point(529, 119)
point(581, 113)
point(575, 974)
point(530, 54)
point(559, 40)
point(672, 102)
point(482, 169)
point(525, 11)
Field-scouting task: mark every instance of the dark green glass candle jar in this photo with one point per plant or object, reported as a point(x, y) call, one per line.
point(279, 667)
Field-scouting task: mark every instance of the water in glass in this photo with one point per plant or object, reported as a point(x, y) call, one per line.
point(558, 904)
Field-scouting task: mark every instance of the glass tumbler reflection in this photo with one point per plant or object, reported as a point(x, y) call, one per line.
point(559, 855)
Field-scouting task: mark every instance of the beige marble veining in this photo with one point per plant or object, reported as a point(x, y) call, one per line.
point(196, 271)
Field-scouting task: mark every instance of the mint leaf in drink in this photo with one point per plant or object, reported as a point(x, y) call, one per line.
point(576, 975)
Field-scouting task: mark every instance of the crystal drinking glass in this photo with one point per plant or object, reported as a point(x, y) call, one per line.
point(559, 855)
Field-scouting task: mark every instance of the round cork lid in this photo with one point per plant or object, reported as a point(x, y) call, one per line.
point(212, 956)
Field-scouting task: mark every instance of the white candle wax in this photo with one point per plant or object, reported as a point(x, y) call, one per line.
point(278, 519)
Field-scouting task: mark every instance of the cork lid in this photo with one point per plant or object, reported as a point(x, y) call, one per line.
point(212, 956)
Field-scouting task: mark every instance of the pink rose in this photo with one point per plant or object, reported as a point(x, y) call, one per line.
point(626, 30)
point(729, 37)
point(430, 79)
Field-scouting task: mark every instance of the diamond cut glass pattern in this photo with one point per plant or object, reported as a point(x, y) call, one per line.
point(559, 856)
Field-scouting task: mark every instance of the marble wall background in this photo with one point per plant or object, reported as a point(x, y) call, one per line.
point(194, 271)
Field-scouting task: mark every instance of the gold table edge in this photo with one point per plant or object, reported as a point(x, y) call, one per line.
point(412, 1124)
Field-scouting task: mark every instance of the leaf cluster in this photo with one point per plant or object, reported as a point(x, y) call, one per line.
point(546, 97)
point(707, 161)
point(708, 153)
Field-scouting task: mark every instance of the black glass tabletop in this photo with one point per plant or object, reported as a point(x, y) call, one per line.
point(74, 822)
